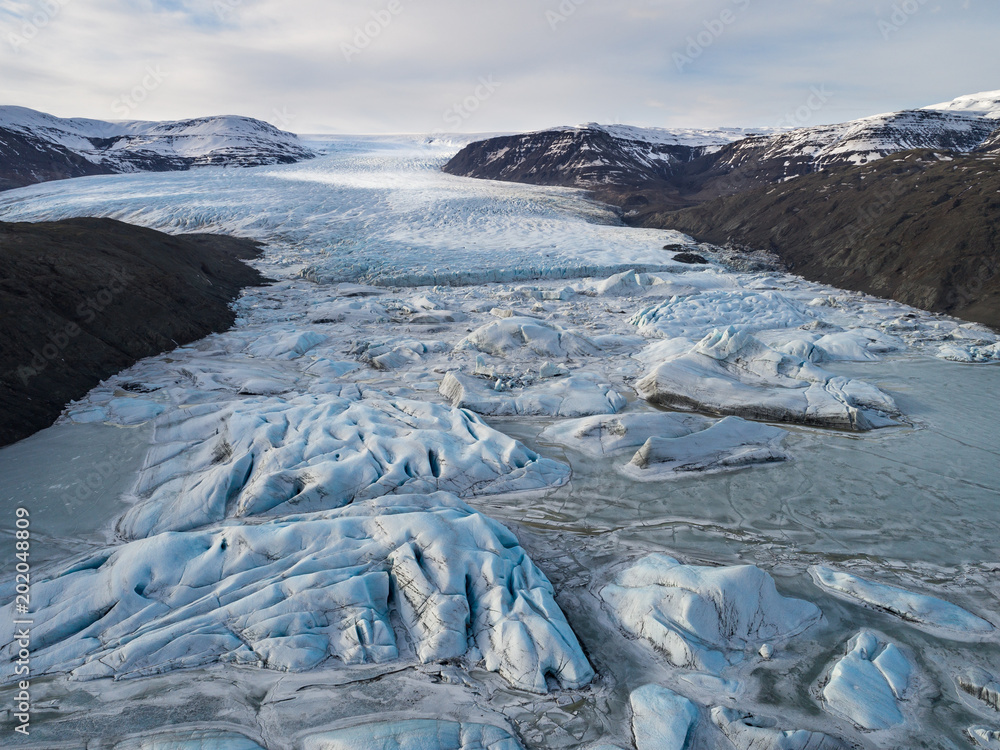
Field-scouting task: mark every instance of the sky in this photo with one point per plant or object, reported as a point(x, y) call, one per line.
point(392, 66)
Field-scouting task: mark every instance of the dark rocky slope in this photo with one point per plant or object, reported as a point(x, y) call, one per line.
point(914, 227)
point(82, 299)
point(25, 160)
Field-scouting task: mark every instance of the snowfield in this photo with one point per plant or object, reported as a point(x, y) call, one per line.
point(483, 468)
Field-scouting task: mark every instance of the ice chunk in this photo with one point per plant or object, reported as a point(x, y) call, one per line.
point(630, 284)
point(190, 740)
point(970, 353)
point(867, 685)
point(573, 396)
point(414, 734)
point(553, 295)
point(314, 452)
point(295, 593)
point(926, 612)
point(748, 732)
point(981, 685)
point(661, 719)
point(608, 435)
point(285, 345)
point(511, 335)
point(704, 618)
point(985, 737)
point(730, 372)
point(749, 311)
point(727, 444)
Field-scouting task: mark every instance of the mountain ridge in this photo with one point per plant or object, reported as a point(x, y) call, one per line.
point(38, 147)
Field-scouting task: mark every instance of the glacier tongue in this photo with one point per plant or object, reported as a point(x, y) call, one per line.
point(293, 593)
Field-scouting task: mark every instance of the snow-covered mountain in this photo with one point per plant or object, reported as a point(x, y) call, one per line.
point(985, 104)
point(591, 155)
point(35, 147)
point(727, 160)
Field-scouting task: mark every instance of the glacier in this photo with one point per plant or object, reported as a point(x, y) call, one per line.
point(433, 451)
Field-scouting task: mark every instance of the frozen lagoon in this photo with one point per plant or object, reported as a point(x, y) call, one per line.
point(913, 506)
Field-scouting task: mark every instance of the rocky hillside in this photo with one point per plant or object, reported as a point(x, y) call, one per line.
point(919, 227)
point(687, 167)
point(902, 205)
point(36, 147)
point(83, 299)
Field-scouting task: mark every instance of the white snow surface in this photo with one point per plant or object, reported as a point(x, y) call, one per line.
point(983, 104)
point(292, 593)
point(925, 612)
point(701, 617)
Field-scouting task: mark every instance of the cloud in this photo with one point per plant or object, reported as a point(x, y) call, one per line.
point(559, 61)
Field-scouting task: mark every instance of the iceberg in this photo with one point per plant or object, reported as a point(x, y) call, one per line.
point(730, 372)
point(661, 719)
point(414, 734)
point(925, 612)
point(868, 684)
point(704, 618)
point(574, 396)
point(314, 452)
point(294, 593)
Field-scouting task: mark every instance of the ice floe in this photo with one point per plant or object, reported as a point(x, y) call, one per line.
point(985, 737)
point(704, 618)
point(531, 335)
point(632, 284)
point(269, 455)
point(693, 315)
point(611, 435)
point(981, 685)
point(970, 353)
point(189, 740)
point(925, 612)
point(414, 734)
point(868, 684)
point(731, 372)
point(671, 443)
point(730, 443)
point(294, 593)
point(749, 732)
point(574, 396)
point(661, 719)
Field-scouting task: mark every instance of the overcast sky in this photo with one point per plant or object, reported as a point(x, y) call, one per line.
point(494, 65)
